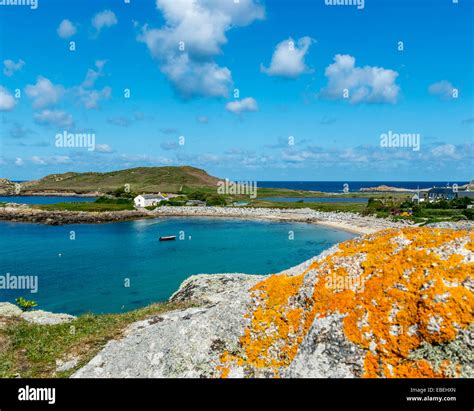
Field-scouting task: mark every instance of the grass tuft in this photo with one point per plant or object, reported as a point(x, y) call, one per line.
point(31, 350)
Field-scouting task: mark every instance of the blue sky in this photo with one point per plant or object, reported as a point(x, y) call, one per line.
point(317, 86)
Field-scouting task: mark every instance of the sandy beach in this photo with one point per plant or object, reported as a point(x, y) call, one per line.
point(351, 222)
point(343, 221)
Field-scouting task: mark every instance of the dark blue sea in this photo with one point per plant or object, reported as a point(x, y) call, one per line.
point(354, 186)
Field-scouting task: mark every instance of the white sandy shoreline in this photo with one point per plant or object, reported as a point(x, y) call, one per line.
point(350, 222)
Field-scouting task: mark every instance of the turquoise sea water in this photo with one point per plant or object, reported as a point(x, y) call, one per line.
point(90, 272)
point(45, 199)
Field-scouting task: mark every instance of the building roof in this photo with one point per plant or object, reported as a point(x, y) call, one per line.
point(441, 190)
point(449, 190)
point(151, 196)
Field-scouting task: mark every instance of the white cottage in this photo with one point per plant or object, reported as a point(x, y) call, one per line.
point(147, 200)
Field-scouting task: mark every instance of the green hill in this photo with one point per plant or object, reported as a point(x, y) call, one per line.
point(141, 179)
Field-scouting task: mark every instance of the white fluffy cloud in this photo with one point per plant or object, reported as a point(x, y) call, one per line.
point(103, 148)
point(288, 59)
point(365, 84)
point(66, 29)
point(197, 78)
point(38, 161)
point(106, 18)
point(55, 118)
point(44, 93)
point(443, 89)
point(200, 27)
point(19, 161)
point(53, 160)
point(92, 98)
point(10, 67)
point(92, 75)
point(89, 97)
point(445, 151)
point(240, 106)
point(7, 101)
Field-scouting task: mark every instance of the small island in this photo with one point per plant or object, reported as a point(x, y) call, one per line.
point(189, 191)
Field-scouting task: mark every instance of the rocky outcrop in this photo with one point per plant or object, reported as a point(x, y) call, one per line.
point(46, 193)
point(345, 221)
point(36, 317)
point(24, 213)
point(453, 225)
point(7, 187)
point(46, 318)
point(9, 310)
point(388, 189)
point(397, 303)
point(183, 343)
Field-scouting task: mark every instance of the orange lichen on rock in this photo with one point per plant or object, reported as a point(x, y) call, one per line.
point(470, 245)
point(275, 321)
point(409, 290)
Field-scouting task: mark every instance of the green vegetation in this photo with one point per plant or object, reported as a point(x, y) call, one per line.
point(389, 206)
point(138, 180)
point(91, 207)
point(175, 201)
point(195, 184)
point(211, 199)
point(31, 350)
point(180, 180)
point(104, 203)
point(334, 207)
point(198, 195)
point(216, 200)
point(424, 212)
point(25, 304)
point(122, 193)
point(111, 200)
point(283, 192)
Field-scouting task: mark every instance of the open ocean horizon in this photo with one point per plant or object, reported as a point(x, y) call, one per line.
point(354, 186)
point(338, 186)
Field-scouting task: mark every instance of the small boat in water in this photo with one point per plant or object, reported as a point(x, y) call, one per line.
point(168, 238)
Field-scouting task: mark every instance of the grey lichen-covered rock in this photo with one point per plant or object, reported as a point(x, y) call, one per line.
point(326, 353)
point(9, 310)
point(453, 225)
point(7, 187)
point(183, 343)
point(46, 318)
point(25, 213)
point(460, 352)
point(62, 366)
point(214, 289)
